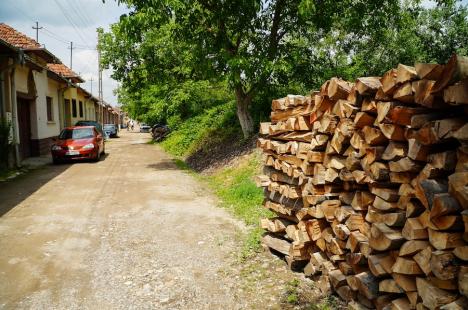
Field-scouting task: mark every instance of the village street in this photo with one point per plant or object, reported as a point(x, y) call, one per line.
point(131, 231)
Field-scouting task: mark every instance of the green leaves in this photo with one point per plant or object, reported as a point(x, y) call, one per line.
point(170, 54)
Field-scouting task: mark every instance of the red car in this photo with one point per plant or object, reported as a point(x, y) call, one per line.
point(79, 142)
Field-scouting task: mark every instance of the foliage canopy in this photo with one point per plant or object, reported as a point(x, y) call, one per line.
point(175, 58)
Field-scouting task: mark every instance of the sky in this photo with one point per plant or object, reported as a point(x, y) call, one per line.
point(64, 21)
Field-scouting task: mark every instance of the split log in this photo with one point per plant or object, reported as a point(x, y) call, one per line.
point(432, 296)
point(404, 93)
point(407, 283)
point(276, 244)
point(414, 230)
point(458, 187)
point(390, 286)
point(406, 266)
point(444, 204)
point(444, 265)
point(389, 81)
point(455, 70)
point(373, 136)
point(383, 238)
point(368, 85)
point(381, 264)
point(338, 89)
point(367, 285)
point(463, 280)
point(445, 240)
point(461, 252)
point(423, 259)
point(429, 71)
point(412, 247)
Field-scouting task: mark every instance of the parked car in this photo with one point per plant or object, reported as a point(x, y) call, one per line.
point(78, 142)
point(111, 130)
point(91, 123)
point(144, 127)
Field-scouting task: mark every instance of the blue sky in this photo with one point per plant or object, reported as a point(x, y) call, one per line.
point(77, 24)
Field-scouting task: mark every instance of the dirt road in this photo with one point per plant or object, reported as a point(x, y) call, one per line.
point(129, 232)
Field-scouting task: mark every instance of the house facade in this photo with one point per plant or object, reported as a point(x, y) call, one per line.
point(39, 96)
point(31, 96)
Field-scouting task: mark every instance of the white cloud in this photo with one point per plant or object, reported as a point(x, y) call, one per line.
point(84, 16)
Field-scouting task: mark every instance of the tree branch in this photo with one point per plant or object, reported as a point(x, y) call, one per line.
point(274, 37)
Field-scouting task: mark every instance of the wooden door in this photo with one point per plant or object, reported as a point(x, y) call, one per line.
point(24, 122)
point(67, 113)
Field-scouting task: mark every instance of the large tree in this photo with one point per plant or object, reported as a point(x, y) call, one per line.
point(257, 44)
point(243, 41)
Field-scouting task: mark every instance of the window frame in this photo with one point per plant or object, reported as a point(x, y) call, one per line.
point(50, 109)
point(74, 109)
point(80, 108)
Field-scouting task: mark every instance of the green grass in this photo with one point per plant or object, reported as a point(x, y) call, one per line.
point(202, 131)
point(238, 193)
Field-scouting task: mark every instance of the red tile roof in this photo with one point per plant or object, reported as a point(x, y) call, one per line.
point(16, 38)
point(62, 70)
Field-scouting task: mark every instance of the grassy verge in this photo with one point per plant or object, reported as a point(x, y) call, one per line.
point(238, 193)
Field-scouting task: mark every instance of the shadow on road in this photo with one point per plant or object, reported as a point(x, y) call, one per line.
point(166, 164)
point(13, 192)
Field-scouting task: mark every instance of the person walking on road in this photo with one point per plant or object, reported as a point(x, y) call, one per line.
point(132, 124)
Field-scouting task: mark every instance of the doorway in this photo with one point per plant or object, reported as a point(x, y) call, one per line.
point(67, 113)
point(24, 124)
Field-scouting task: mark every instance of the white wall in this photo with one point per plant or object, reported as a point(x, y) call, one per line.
point(45, 87)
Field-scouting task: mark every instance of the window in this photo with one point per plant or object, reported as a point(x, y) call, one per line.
point(50, 109)
point(81, 108)
point(81, 133)
point(73, 107)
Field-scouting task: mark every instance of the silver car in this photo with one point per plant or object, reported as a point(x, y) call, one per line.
point(110, 130)
point(144, 127)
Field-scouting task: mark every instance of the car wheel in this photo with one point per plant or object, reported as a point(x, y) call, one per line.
point(97, 157)
point(56, 161)
point(103, 149)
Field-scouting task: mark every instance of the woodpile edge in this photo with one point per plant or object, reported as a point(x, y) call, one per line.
point(369, 185)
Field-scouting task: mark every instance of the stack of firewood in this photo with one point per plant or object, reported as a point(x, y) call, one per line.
point(369, 185)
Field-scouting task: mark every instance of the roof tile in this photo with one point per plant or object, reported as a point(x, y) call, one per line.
point(16, 38)
point(62, 70)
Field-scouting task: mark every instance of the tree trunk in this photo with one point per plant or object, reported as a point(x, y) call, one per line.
point(243, 102)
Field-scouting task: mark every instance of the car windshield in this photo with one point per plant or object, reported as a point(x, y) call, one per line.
point(77, 133)
point(109, 126)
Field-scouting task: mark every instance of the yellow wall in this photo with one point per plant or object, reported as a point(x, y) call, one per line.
point(21, 79)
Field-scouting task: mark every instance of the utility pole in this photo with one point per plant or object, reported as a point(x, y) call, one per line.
point(71, 55)
point(100, 85)
point(37, 31)
point(91, 80)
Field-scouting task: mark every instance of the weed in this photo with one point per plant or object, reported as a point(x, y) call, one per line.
point(292, 291)
point(328, 303)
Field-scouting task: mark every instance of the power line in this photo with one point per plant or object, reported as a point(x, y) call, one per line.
point(70, 20)
point(78, 9)
point(52, 35)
